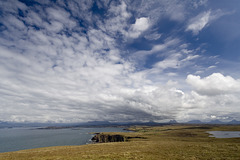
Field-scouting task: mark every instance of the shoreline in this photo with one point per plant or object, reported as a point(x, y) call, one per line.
point(16, 139)
point(147, 142)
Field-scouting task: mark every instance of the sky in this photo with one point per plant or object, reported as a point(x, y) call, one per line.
point(119, 60)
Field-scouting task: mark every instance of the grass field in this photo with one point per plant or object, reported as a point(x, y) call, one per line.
point(152, 143)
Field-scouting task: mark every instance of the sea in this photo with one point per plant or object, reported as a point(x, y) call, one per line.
point(15, 139)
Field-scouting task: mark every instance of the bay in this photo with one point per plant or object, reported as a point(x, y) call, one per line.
point(14, 139)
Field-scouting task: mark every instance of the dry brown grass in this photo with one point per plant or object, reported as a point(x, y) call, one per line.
point(164, 142)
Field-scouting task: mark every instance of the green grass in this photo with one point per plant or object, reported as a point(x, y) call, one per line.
point(164, 142)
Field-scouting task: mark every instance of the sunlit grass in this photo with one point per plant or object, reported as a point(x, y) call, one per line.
point(164, 142)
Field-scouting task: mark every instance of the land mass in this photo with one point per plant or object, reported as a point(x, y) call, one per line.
point(91, 124)
point(146, 142)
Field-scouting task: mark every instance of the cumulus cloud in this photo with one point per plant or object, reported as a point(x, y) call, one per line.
point(214, 84)
point(141, 25)
point(199, 106)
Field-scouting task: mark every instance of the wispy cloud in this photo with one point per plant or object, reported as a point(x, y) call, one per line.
point(153, 36)
point(199, 22)
point(202, 20)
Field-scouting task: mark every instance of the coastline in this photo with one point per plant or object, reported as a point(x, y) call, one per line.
point(158, 142)
point(15, 139)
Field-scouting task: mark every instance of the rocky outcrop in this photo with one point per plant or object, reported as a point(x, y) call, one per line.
point(103, 138)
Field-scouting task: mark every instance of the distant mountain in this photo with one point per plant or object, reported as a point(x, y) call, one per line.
point(195, 122)
point(3, 124)
point(98, 123)
point(215, 122)
point(105, 124)
point(173, 121)
point(234, 122)
point(18, 124)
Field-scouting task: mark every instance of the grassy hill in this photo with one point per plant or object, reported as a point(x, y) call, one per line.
point(153, 143)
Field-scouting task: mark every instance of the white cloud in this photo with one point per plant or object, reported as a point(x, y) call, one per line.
point(202, 20)
point(157, 9)
point(140, 25)
point(172, 74)
point(12, 6)
point(170, 62)
point(153, 36)
point(198, 3)
point(215, 84)
point(174, 60)
point(213, 117)
point(117, 21)
point(168, 43)
point(156, 49)
point(190, 57)
point(203, 106)
point(197, 23)
point(211, 67)
point(175, 10)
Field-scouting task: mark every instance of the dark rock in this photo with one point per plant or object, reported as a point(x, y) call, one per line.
point(103, 138)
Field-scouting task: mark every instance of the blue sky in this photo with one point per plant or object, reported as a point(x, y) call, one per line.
point(119, 60)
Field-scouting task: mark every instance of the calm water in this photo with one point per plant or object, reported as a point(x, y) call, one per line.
point(224, 134)
point(14, 139)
